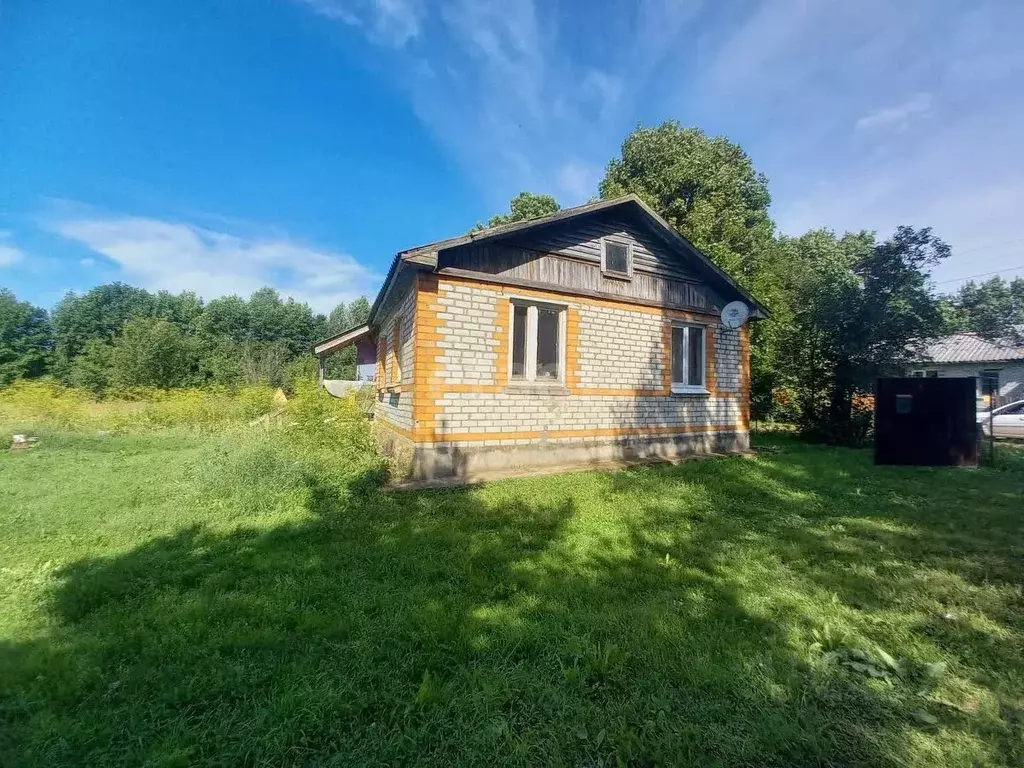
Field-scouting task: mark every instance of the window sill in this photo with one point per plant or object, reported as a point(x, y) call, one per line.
point(623, 276)
point(556, 388)
point(690, 392)
point(394, 389)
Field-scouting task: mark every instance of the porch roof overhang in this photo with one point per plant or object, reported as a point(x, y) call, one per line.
point(342, 340)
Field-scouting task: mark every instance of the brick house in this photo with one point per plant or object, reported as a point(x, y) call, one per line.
point(590, 335)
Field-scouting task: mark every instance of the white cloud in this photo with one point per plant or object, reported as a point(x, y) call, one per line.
point(390, 22)
point(821, 93)
point(898, 117)
point(495, 83)
point(161, 255)
point(88, 262)
point(9, 254)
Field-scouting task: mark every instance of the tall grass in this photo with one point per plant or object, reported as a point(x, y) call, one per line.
point(28, 406)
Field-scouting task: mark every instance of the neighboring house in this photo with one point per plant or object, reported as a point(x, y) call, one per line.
point(590, 335)
point(995, 364)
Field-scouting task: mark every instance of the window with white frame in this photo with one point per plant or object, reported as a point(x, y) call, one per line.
point(616, 257)
point(538, 341)
point(688, 373)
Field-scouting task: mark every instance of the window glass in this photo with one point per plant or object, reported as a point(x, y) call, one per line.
point(678, 354)
point(519, 342)
point(695, 356)
point(616, 257)
point(547, 344)
point(989, 381)
point(687, 357)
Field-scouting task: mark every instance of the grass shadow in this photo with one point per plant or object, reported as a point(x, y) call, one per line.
point(600, 619)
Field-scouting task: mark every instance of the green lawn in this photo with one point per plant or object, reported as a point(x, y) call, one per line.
point(183, 600)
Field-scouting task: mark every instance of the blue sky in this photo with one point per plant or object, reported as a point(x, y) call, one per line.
point(218, 146)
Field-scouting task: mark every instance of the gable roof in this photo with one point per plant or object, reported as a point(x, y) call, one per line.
point(971, 348)
point(424, 257)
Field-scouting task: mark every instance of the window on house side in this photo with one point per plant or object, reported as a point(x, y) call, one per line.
point(617, 258)
point(688, 358)
point(396, 355)
point(518, 342)
point(547, 343)
point(988, 381)
point(536, 342)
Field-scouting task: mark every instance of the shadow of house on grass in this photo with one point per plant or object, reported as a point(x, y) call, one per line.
point(463, 626)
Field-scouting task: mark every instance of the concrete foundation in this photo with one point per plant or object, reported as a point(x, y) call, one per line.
point(461, 462)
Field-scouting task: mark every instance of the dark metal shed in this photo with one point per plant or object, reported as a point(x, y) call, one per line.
point(926, 422)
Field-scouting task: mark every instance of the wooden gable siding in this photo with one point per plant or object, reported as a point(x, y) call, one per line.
point(581, 239)
point(576, 276)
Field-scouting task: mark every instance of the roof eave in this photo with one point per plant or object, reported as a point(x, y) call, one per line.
point(341, 340)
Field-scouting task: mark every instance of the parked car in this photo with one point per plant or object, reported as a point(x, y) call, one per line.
point(1007, 420)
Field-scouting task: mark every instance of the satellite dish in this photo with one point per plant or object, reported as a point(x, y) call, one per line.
point(735, 314)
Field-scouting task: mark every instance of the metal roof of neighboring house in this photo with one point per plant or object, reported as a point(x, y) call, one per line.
point(971, 348)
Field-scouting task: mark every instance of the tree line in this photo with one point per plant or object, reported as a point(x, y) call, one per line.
point(117, 335)
point(846, 308)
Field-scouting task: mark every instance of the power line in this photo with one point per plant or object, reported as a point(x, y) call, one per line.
point(982, 274)
point(990, 246)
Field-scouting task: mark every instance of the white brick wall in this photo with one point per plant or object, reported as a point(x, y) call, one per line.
point(468, 320)
point(396, 407)
point(617, 349)
point(620, 349)
point(727, 359)
point(473, 412)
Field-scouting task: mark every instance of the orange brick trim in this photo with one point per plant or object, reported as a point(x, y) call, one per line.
point(666, 357)
point(745, 376)
point(426, 382)
point(503, 337)
point(572, 351)
point(553, 434)
point(711, 379)
point(381, 351)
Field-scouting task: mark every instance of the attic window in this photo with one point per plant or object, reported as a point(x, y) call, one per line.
point(616, 258)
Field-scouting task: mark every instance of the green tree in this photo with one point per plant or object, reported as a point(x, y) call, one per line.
point(993, 308)
point(343, 318)
point(93, 367)
point(263, 318)
point(861, 309)
point(338, 320)
point(522, 207)
point(98, 314)
point(708, 189)
point(26, 339)
point(359, 312)
point(153, 352)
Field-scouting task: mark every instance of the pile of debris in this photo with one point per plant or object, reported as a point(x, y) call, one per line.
point(23, 442)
